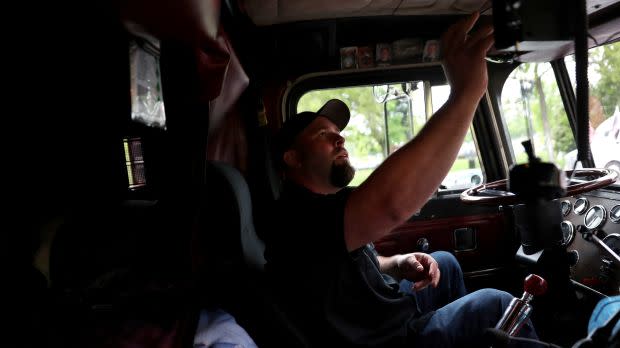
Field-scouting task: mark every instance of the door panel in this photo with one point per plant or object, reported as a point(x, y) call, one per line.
point(481, 238)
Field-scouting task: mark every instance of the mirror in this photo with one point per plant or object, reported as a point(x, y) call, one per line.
point(380, 92)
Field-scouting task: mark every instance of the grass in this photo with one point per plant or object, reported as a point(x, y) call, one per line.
point(463, 163)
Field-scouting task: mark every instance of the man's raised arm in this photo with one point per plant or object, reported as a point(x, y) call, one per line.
point(408, 177)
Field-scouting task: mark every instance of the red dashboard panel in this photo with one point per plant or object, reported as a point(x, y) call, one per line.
point(493, 243)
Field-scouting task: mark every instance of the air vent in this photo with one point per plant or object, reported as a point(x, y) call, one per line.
point(134, 162)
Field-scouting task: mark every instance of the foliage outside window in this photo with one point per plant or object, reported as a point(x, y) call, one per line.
point(134, 161)
point(604, 80)
point(532, 108)
point(386, 117)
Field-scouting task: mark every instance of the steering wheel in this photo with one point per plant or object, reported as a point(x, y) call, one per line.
point(495, 193)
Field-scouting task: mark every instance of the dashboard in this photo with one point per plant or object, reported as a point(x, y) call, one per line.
point(597, 212)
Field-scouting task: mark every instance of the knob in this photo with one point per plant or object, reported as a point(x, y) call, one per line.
point(423, 245)
point(535, 285)
point(520, 309)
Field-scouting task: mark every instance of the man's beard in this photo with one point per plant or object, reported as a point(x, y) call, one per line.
point(341, 174)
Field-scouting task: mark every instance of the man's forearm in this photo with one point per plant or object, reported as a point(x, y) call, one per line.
point(405, 181)
point(389, 266)
point(426, 159)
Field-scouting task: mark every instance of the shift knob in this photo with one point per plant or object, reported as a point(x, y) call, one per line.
point(520, 309)
point(535, 285)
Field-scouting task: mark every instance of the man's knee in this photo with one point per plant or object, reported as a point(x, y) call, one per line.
point(446, 261)
point(493, 300)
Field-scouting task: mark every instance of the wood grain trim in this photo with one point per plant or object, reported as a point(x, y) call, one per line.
point(495, 244)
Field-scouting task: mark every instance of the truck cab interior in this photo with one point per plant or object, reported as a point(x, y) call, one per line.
point(143, 175)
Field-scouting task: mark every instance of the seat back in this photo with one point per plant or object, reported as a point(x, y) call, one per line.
point(229, 262)
point(229, 182)
point(225, 244)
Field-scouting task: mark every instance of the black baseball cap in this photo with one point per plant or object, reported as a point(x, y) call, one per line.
point(335, 110)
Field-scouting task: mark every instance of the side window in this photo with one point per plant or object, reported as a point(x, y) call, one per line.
point(604, 79)
point(134, 161)
point(386, 117)
point(532, 109)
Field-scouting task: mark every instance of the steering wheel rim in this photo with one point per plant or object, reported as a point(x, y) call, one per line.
point(603, 178)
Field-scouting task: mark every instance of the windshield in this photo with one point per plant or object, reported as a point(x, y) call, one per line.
point(532, 109)
point(604, 79)
point(385, 117)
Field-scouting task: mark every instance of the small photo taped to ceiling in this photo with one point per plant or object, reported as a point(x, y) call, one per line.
point(384, 54)
point(432, 51)
point(348, 58)
point(365, 57)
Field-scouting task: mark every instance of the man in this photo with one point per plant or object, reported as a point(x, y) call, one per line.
point(320, 259)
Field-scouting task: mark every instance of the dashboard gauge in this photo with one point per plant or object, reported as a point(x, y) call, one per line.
point(580, 206)
point(573, 257)
point(613, 242)
point(566, 207)
point(568, 232)
point(595, 217)
point(614, 214)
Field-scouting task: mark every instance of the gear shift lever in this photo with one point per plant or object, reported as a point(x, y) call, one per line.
point(519, 309)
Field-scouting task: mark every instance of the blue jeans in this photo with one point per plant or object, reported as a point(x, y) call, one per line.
point(459, 320)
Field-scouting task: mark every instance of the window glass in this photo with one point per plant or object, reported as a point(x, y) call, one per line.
point(384, 118)
point(532, 109)
point(604, 80)
point(134, 161)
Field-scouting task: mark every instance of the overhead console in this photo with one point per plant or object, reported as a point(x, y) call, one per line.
point(544, 30)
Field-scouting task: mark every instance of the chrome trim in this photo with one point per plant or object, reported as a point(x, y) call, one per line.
point(587, 205)
point(571, 232)
point(587, 288)
point(613, 235)
point(482, 272)
point(603, 220)
point(570, 207)
point(576, 253)
point(614, 220)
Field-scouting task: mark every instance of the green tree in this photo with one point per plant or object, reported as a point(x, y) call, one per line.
point(534, 101)
point(399, 122)
point(605, 61)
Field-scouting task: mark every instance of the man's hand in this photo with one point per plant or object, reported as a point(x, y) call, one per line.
point(463, 57)
point(420, 268)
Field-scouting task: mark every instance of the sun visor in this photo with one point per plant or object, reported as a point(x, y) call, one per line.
point(189, 21)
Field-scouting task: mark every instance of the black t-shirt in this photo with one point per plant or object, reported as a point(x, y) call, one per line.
point(336, 297)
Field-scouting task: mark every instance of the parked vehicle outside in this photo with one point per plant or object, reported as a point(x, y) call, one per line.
point(604, 144)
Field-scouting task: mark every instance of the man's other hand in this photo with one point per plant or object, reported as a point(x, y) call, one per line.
point(419, 268)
